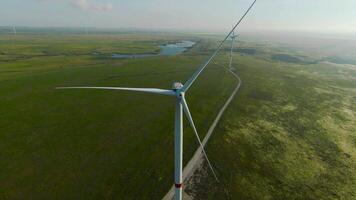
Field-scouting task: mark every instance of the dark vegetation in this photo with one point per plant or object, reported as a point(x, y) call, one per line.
point(286, 58)
point(291, 59)
point(339, 60)
point(248, 51)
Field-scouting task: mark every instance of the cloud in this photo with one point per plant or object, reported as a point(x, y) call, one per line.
point(87, 4)
point(92, 5)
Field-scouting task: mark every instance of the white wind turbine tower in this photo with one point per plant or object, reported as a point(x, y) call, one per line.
point(14, 30)
point(233, 38)
point(178, 92)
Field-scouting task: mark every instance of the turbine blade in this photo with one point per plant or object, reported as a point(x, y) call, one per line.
point(201, 68)
point(146, 90)
point(190, 119)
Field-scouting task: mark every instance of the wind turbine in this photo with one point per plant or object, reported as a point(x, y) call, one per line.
point(233, 38)
point(178, 91)
point(14, 30)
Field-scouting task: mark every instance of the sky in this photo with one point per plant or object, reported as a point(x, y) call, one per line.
point(190, 15)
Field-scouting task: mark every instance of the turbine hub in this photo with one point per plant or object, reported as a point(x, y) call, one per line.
point(177, 86)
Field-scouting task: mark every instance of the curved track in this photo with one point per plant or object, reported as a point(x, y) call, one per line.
point(198, 158)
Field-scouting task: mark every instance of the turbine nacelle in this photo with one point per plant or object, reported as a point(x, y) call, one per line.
point(177, 86)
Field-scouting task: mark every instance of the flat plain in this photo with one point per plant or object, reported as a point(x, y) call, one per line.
point(94, 144)
point(289, 133)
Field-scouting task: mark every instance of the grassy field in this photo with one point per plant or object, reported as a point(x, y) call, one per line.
point(94, 144)
point(289, 134)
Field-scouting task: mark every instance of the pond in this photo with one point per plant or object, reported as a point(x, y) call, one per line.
point(165, 50)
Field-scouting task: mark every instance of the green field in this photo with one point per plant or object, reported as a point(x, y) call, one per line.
point(94, 144)
point(289, 133)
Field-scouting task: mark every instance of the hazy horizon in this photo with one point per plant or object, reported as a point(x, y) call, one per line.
point(317, 16)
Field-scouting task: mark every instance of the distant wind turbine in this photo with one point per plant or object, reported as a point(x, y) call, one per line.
point(233, 38)
point(178, 92)
point(14, 30)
